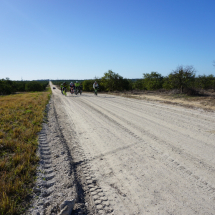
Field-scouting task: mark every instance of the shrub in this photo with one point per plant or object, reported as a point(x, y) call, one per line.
point(182, 77)
point(34, 86)
point(88, 85)
point(113, 81)
point(138, 85)
point(205, 82)
point(152, 81)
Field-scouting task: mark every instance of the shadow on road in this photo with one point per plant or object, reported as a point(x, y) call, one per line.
point(113, 152)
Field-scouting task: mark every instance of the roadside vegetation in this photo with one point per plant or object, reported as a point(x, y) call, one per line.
point(8, 87)
point(182, 80)
point(21, 117)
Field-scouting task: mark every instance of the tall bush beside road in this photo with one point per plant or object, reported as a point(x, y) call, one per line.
point(21, 116)
point(113, 81)
point(182, 77)
point(152, 81)
point(6, 86)
point(88, 85)
point(138, 85)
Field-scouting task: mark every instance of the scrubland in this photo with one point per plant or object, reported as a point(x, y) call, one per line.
point(21, 116)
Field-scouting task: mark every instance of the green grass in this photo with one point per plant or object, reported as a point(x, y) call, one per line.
point(21, 116)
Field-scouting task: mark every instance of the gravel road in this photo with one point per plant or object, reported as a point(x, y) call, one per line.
point(129, 156)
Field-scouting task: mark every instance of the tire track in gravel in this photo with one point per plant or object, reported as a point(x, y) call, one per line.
point(153, 105)
point(187, 172)
point(166, 111)
point(88, 183)
point(181, 151)
point(132, 166)
point(80, 199)
point(45, 156)
point(160, 153)
point(86, 116)
point(154, 137)
point(51, 188)
point(182, 123)
point(150, 118)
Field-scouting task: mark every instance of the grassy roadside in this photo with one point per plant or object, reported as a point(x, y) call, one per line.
point(21, 116)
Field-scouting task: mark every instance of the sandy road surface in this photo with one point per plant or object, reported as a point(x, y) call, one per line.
point(145, 157)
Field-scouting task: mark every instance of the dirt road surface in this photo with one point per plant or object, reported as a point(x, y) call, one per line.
point(137, 156)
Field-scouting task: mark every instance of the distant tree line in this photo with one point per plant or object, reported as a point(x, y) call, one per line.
point(8, 86)
point(183, 78)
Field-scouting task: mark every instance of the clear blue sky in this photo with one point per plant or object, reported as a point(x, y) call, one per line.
point(81, 39)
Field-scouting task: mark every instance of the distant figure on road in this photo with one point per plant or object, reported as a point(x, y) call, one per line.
point(77, 85)
point(72, 86)
point(62, 86)
point(95, 87)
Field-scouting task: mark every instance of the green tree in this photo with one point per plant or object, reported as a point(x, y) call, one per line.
point(138, 85)
point(88, 85)
point(152, 81)
point(6, 86)
point(166, 83)
point(113, 81)
point(205, 82)
point(34, 86)
point(19, 86)
point(182, 77)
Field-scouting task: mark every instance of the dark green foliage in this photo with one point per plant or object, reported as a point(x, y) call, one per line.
point(138, 85)
point(88, 85)
point(166, 83)
point(205, 82)
point(152, 81)
point(34, 86)
point(130, 84)
point(7, 86)
point(113, 81)
point(181, 78)
point(19, 86)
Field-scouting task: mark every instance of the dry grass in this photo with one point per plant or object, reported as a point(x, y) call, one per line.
point(204, 101)
point(21, 117)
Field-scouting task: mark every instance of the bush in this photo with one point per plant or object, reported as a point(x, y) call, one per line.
point(205, 82)
point(6, 87)
point(88, 85)
point(113, 81)
point(34, 86)
point(182, 77)
point(138, 85)
point(152, 81)
point(166, 83)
